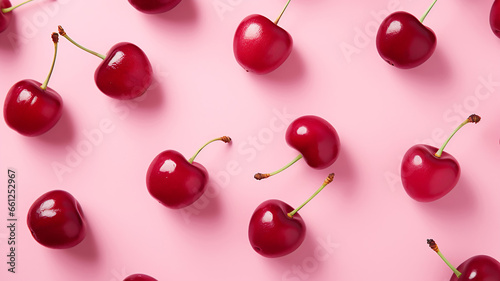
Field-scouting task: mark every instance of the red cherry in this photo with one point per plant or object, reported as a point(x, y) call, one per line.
point(56, 220)
point(260, 45)
point(476, 268)
point(6, 9)
point(154, 6)
point(315, 139)
point(32, 108)
point(276, 229)
point(139, 277)
point(495, 18)
point(176, 182)
point(428, 173)
point(403, 41)
point(124, 73)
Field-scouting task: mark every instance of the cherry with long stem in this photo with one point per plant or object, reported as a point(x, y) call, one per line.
point(328, 180)
point(65, 35)
point(432, 244)
point(260, 176)
point(471, 119)
point(224, 139)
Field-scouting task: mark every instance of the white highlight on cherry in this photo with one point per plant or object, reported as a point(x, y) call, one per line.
point(302, 130)
point(46, 208)
point(168, 166)
point(268, 217)
point(417, 160)
point(116, 59)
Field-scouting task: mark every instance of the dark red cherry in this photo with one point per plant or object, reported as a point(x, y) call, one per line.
point(260, 45)
point(495, 18)
point(56, 220)
point(32, 108)
point(6, 9)
point(154, 6)
point(176, 182)
point(124, 73)
point(139, 277)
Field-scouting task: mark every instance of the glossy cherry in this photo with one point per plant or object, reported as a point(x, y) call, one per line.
point(32, 108)
point(124, 73)
point(429, 173)
point(56, 220)
point(260, 45)
point(316, 140)
point(176, 182)
point(276, 229)
point(154, 6)
point(139, 277)
point(495, 18)
point(403, 41)
point(476, 268)
point(6, 9)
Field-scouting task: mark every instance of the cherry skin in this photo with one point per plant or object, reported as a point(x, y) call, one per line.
point(139, 277)
point(426, 177)
point(272, 233)
point(495, 18)
point(261, 46)
point(404, 42)
point(5, 18)
point(154, 6)
point(56, 220)
point(316, 140)
point(478, 268)
point(176, 182)
point(30, 110)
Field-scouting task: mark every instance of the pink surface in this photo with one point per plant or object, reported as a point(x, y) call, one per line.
point(361, 227)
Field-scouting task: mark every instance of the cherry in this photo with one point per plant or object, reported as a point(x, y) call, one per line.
point(56, 220)
point(124, 73)
point(476, 268)
point(276, 229)
point(495, 18)
point(32, 108)
point(176, 182)
point(154, 6)
point(260, 45)
point(315, 139)
point(5, 13)
point(428, 173)
point(139, 277)
point(403, 41)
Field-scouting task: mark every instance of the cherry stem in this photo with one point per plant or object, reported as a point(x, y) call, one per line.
point(422, 18)
point(471, 119)
point(55, 39)
point(9, 9)
point(328, 180)
point(63, 34)
point(224, 139)
point(282, 12)
point(260, 176)
point(433, 246)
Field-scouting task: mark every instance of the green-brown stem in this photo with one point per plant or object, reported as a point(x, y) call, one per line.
point(328, 180)
point(282, 12)
point(55, 39)
point(471, 119)
point(260, 176)
point(422, 18)
point(63, 34)
point(9, 9)
point(224, 139)
point(433, 246)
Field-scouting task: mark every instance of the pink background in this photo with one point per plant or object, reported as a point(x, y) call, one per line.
point(361, 227)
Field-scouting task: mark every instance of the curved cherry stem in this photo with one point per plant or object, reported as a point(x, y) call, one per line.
point(328, 180)
point(224, 139)
point(432, 244)
point(55, 39)
point(422, 18)
point(63, 34)
point(9, 9)
point(471, 119)
point(260, 176)
point(282, 12)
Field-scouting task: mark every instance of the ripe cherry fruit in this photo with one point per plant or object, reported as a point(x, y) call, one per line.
point(6, 9)
point(154, 6)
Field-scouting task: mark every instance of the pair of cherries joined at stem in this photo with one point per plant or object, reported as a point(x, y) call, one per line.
point(404, 41)
point(154, 6)
point(260, 45)
point(429, 173)
point(6, 9)
point(476, 268)
point(176, 182)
